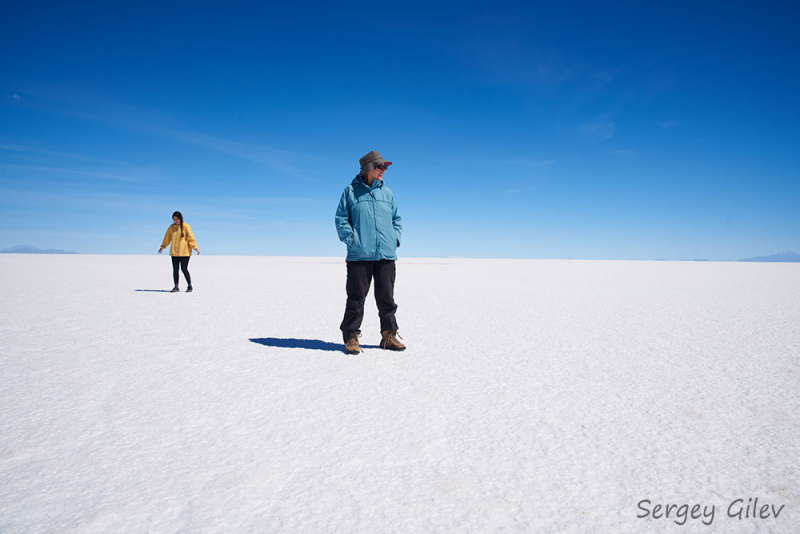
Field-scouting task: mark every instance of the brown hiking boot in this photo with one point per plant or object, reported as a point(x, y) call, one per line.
point(353, 346)
point(389, 340)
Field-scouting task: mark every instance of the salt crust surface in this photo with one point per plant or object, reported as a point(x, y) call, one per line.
point(535, 396)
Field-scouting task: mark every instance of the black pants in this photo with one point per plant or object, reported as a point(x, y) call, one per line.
point(359, 276)
point(183, 262)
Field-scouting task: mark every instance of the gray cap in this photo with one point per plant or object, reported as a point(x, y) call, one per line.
point(371, 161)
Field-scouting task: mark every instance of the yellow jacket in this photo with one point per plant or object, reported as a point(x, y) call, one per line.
point(181, 245)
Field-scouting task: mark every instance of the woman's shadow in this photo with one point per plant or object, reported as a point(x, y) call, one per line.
point(312, 344)
point(154, 290)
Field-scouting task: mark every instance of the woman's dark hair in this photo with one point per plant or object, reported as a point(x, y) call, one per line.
point(180, 218)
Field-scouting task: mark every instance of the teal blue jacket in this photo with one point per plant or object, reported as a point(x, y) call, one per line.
point(367, 221)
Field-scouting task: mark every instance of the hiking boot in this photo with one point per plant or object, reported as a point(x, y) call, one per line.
point(353, 346)
point(189, 289)
point(175, 290)
point(389, 340)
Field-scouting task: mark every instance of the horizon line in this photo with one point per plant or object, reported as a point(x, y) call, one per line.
point(699, 260)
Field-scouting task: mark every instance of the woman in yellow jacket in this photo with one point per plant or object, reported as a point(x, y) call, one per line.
point(180, 234)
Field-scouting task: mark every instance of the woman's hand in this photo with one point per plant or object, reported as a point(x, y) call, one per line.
point(161, 250)
point(197, 250)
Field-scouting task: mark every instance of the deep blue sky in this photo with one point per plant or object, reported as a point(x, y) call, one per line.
point(561, 130)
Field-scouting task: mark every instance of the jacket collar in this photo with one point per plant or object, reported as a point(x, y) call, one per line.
point(360, 180)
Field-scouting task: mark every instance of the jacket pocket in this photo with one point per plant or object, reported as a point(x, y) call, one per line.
point(353, 241)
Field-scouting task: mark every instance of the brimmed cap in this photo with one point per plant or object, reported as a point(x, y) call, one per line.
point(371, 161)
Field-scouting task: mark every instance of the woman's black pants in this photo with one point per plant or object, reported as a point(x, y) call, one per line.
point(359, 276)
point(183, 263)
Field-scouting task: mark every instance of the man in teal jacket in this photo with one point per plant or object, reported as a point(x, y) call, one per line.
point(367, 221)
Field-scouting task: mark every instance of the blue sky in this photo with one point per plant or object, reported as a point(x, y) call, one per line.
point(576, 130)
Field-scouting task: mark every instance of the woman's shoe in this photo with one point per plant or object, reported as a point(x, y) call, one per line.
point(389, 340)
point(175, 290)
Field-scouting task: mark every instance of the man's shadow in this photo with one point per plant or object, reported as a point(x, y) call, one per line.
point(312, 344)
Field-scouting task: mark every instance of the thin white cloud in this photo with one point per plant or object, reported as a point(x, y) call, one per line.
point(224, 209)
point(501, 48)
point(10, 147)
point(99, 109)
point(281, 160)
point(598, 130)
point(16, 97)
point(61, 170)
point(517, 191)
point(511, 61)
point(534, 162)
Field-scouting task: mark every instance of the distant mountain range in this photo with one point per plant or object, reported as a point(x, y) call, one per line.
point(27, 249)
point(786, 255)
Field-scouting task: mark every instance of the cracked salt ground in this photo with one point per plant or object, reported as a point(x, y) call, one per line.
point(535, 396)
